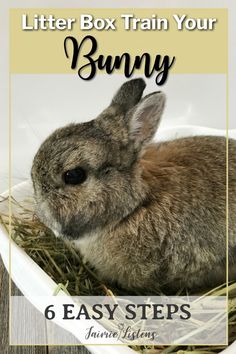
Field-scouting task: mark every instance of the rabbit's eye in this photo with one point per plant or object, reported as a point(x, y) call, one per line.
point(76, 176)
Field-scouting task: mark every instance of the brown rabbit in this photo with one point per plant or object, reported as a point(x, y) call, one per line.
point(146, 216)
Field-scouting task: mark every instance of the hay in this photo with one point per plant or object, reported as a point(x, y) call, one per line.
point(64, 265)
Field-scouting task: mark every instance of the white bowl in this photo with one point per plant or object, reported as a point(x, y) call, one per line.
point(32, 280)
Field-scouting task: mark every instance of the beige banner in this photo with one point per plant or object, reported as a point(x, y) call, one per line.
point(199, 47)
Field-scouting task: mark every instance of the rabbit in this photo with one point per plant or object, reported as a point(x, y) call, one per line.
point(146, 216)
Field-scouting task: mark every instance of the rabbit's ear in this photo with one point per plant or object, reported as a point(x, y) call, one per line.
point(145, 118)
point(129, 94)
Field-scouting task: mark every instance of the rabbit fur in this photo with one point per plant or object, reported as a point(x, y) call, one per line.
point(148, 216)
